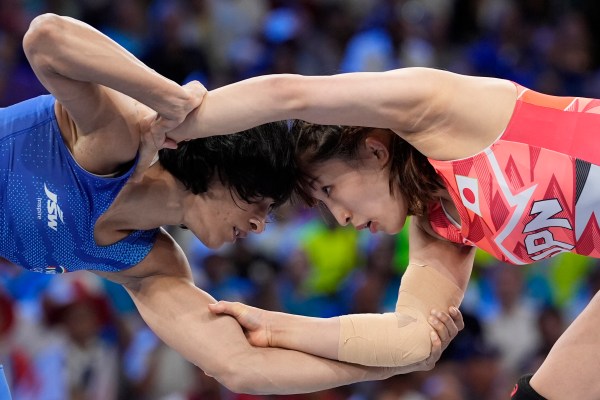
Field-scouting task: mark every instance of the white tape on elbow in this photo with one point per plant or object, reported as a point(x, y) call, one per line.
point(400, 338)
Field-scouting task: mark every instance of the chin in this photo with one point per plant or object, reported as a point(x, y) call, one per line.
point(393, 231)
point(208, 240)
point(397, 228)
point(212, 244)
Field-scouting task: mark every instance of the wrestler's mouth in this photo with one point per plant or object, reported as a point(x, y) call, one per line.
point(372, 226)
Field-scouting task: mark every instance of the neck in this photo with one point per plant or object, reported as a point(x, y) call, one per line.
point(158, 199)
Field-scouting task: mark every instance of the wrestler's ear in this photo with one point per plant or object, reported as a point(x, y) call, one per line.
point(377, 148)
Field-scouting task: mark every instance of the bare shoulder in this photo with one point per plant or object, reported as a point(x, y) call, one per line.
point(466, 115)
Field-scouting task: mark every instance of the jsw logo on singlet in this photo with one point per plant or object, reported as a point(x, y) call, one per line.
point(54, 211)
point(541, 239)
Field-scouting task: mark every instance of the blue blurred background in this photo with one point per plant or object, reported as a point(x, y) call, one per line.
point(77, 337)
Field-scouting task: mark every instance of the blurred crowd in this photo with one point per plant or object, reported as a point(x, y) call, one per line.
point(78, 337)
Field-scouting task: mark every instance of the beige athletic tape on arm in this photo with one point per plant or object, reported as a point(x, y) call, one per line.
point(399, 338)
point(425, 288)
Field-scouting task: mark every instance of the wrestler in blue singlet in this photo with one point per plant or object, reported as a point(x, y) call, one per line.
point(49, 204)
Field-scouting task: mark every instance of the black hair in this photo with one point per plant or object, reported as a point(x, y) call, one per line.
point(256, 163)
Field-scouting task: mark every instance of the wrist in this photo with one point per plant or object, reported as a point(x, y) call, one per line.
point(168, 98)
point(275, 329)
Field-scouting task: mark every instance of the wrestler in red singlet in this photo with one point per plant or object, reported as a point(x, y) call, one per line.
point(535, 192)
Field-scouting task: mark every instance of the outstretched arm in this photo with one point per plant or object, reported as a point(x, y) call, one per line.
point(414, 102)
point(398, 99)
point(435, 280)
point(320, 336)
point(177, 311)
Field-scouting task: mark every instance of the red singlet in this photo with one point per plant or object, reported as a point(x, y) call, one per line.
point(535, 192)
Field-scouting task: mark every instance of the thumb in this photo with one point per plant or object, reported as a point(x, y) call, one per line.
point(147, 150)
point(216, 308)
point(159, 127)
point(226, 307)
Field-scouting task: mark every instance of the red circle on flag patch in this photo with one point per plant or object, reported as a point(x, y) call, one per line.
point(469, 195)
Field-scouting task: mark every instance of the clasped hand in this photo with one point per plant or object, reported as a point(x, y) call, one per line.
point(153, 128)
point(170, 118)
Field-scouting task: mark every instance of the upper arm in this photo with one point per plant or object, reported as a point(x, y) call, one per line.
point(40, 43)
point(89, 106)
point(98, 124)
point(450, 259)
point(164, 293)
point(439, 106)
point(406, 100)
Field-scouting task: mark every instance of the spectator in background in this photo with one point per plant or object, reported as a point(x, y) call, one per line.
point(19, 366)
point(515, 317)
point(173, 49)
point(80, 316)
point(550, 326)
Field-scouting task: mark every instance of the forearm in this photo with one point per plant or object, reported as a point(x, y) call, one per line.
point(258, 100)
point(318, 336)
point(177, 311)
point(395, 339)
point(277, 371)
point(240, 106)
point(280, 371)
point(77, 51)
point(390, 339)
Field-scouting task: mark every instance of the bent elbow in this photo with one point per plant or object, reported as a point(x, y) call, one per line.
point(44, 31)
point(239, 383)
point(384, 340)
point(236, 377)
point(248, 372)
point(420, 350)
point(288, 94)
point(414, 345)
